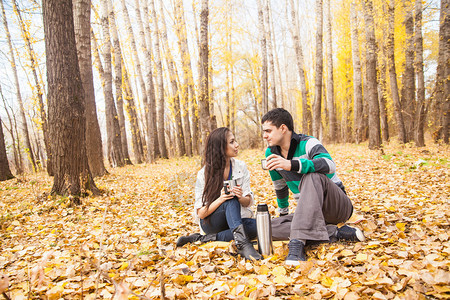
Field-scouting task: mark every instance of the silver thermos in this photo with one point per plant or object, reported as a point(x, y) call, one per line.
point(264, 230)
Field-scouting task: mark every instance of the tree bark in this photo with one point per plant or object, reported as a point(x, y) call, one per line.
point(330, 77)
point(187, 90)
point(205, 118)
point(262, 42)
point(94, 146)
point(306, 111)
point(147, 88)
point(442, 89)
point(67, 122)
point(371, 69)
point(420, 103)
point(409, 84)
point(130, 107)
point(317, 107)
point(393, 74)
point(114, 140)
point(382, 92)
point(5, 171)
point(160, 83)
point(270, 52)
point(118, 75)
point(25, 131)
point(39, 91)
point(16, 153)
point(357, 76)
point(179, 136)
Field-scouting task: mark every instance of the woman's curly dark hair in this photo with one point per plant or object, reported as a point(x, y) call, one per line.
point(214, 160)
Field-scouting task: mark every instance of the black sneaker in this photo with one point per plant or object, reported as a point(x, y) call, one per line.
point(350, 234)
point(296, 253)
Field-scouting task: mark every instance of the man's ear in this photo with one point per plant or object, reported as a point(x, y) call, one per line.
point(284, 128)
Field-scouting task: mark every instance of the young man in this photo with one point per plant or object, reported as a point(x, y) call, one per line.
point(300, 163)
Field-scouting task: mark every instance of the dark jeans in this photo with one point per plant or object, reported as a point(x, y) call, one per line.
point(225, 219)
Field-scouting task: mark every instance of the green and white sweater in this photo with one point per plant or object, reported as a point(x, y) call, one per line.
point(307, 155)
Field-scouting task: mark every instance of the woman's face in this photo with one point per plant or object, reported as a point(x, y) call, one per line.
point(232, 146)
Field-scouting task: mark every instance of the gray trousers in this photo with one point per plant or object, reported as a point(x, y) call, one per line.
point(321, 205)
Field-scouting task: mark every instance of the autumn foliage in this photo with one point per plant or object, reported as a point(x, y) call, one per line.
point(122, 244)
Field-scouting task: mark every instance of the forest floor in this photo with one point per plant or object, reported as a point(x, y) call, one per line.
point(50, 249)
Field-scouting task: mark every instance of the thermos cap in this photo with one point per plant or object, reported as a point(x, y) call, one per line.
point(262, 207)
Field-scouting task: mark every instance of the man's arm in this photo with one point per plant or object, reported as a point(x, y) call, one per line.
point(281, 188)
point(318, 159)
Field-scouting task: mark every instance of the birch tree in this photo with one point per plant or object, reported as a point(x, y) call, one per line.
point(179, 136)
point(306, 111)
point(5, 171)
point(25, 132)
point(393, 74)
point(371, 70)
point(420, 102)
point(270, 51)
point(205, 118)
point(114, 139)
point(317, 107)
point(187, 91)
point(332, 122)
point(262, 41)
point(15, 146)
point(118, 75)
point(94, 146)
point(160, 83)
point(408, 78)
point(357, 75)
point(37, 85)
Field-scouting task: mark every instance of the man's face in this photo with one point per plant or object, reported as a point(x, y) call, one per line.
point(272, 134)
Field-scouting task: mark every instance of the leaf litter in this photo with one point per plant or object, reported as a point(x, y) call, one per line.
point(121, 245)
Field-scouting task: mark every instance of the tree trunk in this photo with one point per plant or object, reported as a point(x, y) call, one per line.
point(280, 100)
point(5, 172)
point(67, 122)
point(205, 119)
point(39, 90)
point(118, 75)
point(270, 52)
point(382, 92)
point(393, 74)
point(26, 134)
point(420, 103)
point(147, 88)
point(94, 146)
point(160, 81)
point(442, 89)
point(330, 78)
point(371, 94)
point(262, 41)
point(317, 107)
point(17, 159)
point(114, 139)
point(306, 111)
point(179, 136)
point(195, 109)
point(187, 90)
point(130, 107)
point(409, 85)
point(357, 76)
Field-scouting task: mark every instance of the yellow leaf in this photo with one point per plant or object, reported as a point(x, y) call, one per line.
point(346, 252)
point(326, 281)
point(400, 226)
point(123, 266)
point(361, 257)
point(183, 279)
point(55, 292)
point(280, 270)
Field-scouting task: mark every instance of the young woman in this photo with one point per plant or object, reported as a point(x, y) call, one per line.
point(224, 214)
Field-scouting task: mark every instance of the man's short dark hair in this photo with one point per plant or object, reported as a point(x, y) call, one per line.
point(278, 117)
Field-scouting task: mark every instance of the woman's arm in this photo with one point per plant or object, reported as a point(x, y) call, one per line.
point(205, 211)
